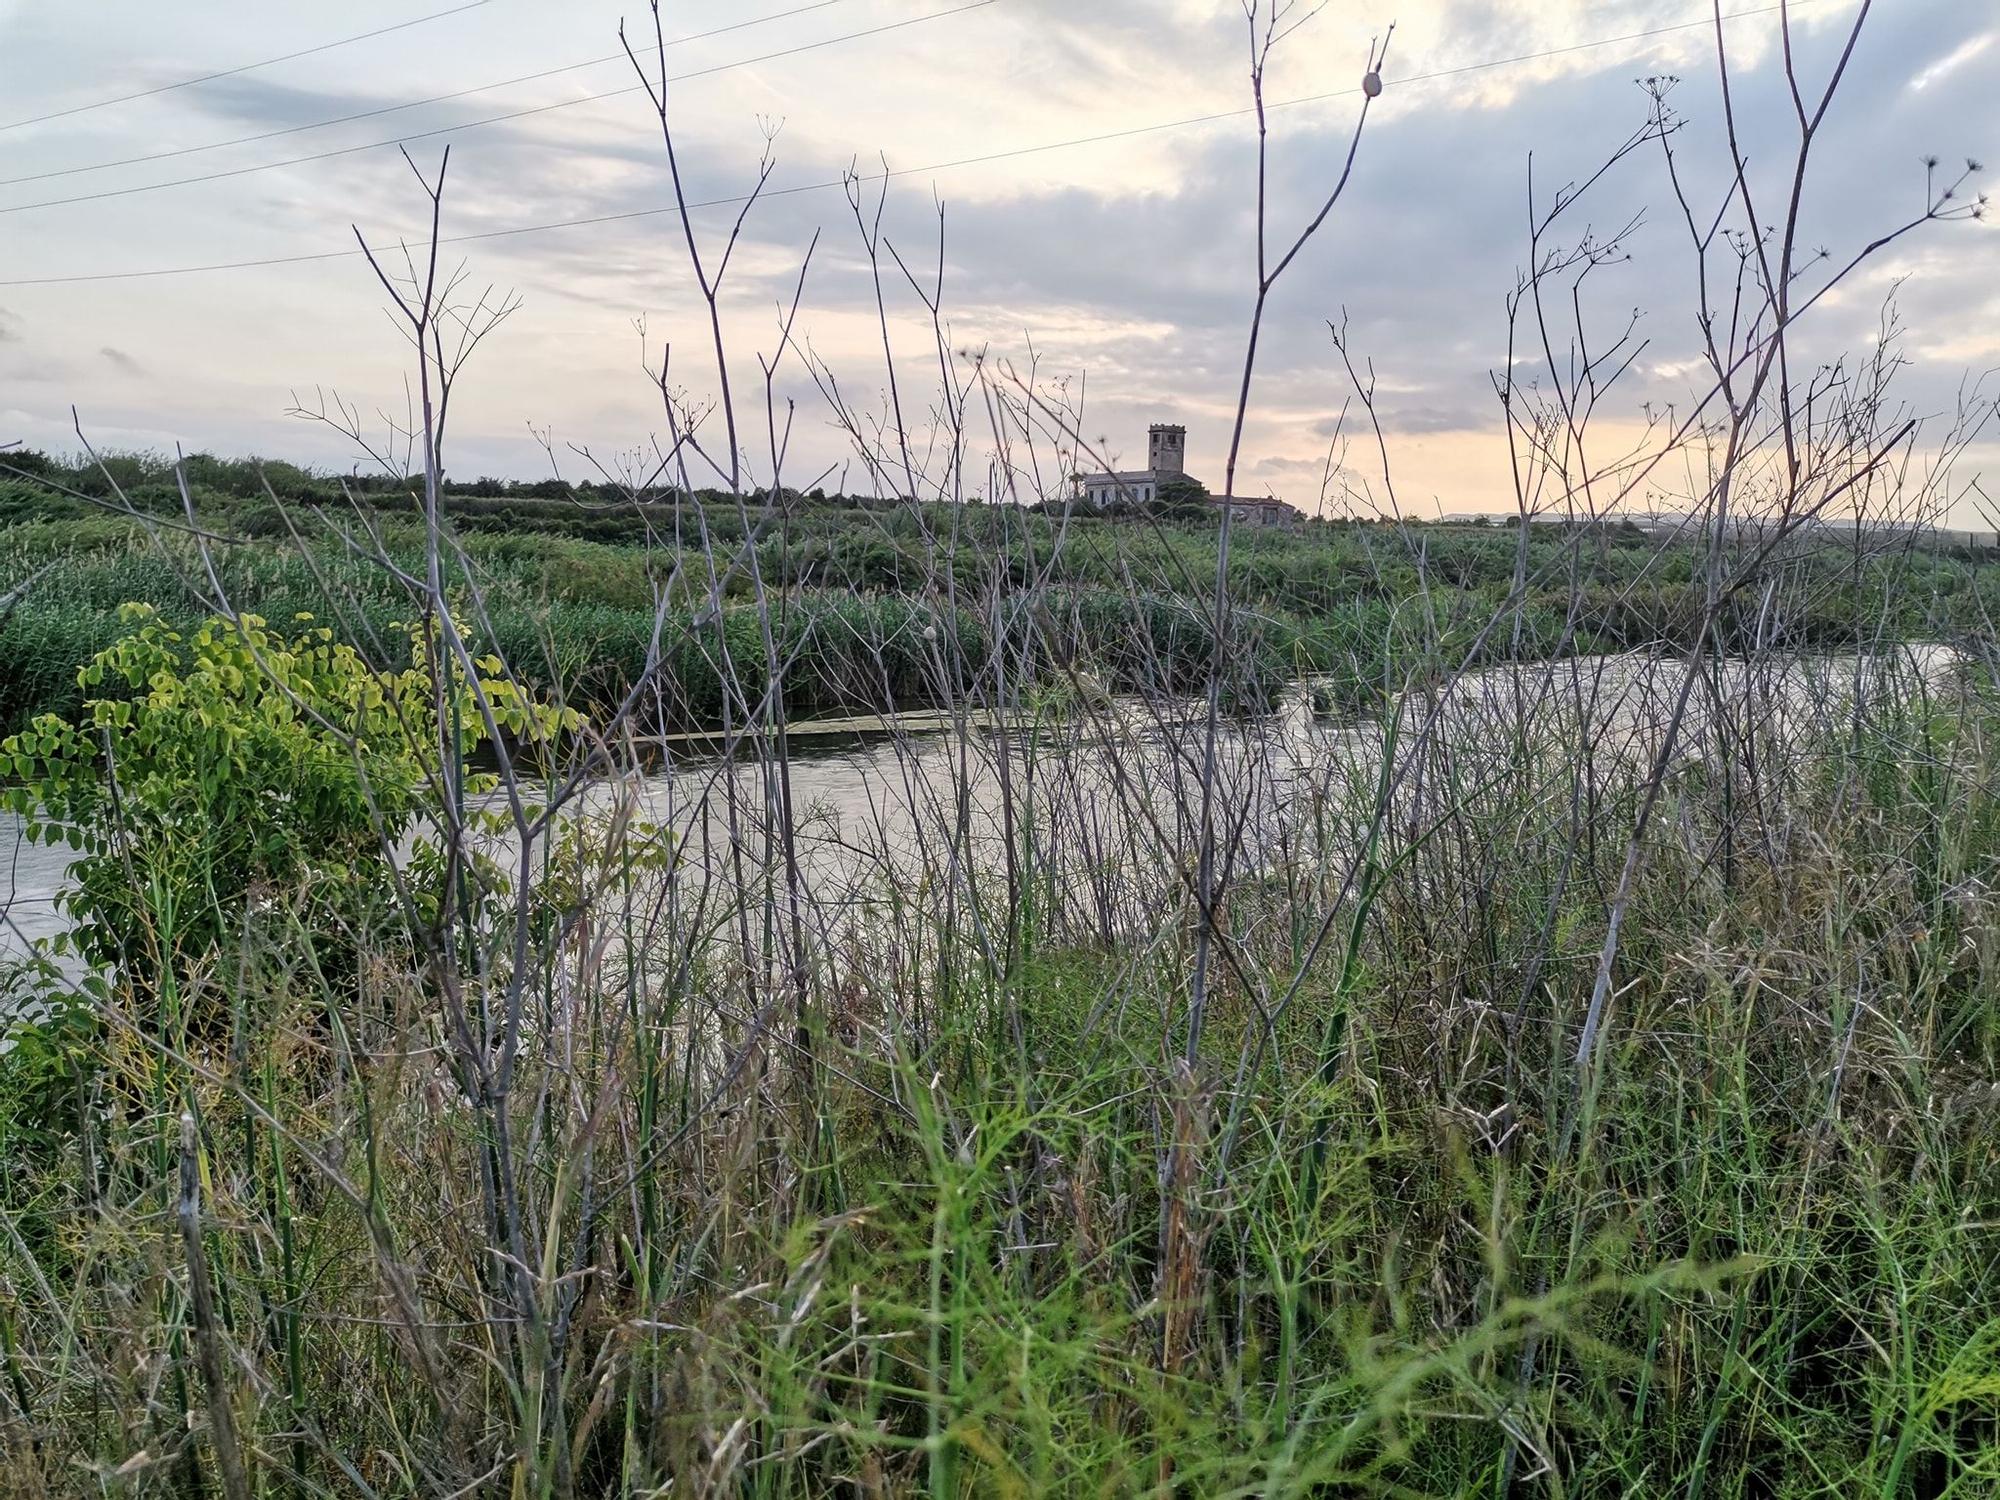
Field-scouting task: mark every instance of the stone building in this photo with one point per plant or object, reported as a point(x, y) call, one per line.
point(1166, 459)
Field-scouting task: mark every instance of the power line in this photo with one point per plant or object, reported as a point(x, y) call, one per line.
point(188, 83)
point(390, 109)
point(515, 114)
point(940, 166)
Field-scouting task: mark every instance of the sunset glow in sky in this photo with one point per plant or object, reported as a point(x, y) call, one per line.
point(1125, 262)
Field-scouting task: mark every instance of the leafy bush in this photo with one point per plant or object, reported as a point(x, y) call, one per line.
point(211, 767)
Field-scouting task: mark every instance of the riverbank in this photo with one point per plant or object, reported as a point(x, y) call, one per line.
point(1457, 1054)
point(853, 1111)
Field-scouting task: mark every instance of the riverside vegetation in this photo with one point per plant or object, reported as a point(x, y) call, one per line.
point(805, 1202)
point(570, 578)
point(1387, 1010)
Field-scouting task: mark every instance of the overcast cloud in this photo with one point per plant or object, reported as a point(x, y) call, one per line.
point(1128, 261)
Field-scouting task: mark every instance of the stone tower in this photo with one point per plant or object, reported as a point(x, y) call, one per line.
point(1166, 448)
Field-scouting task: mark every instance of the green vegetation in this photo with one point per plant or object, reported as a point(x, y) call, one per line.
point(567, 585)
point(1392, 1010)
point(615, 1168)
point(209, 769)
point(1388, 1010)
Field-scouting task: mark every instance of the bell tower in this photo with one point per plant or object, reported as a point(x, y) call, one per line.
point(1166, 448)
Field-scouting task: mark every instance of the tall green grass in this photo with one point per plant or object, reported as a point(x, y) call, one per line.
point(963, 1223)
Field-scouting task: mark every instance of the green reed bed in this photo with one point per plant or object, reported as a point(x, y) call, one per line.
point(576, 616)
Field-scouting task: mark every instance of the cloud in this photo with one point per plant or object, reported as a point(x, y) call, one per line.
point(1953, 60)
point(1131, 260)
point(1434, 419)
point(1288, 466)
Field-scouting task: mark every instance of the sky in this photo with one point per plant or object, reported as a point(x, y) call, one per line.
point(1124, 265)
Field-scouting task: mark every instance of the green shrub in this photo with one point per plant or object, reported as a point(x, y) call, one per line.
point(208, 767)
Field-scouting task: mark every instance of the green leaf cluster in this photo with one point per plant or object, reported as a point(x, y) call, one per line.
point(238, 763)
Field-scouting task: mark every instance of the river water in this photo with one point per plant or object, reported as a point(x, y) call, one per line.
point(1118, 791)
point(858, 795)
